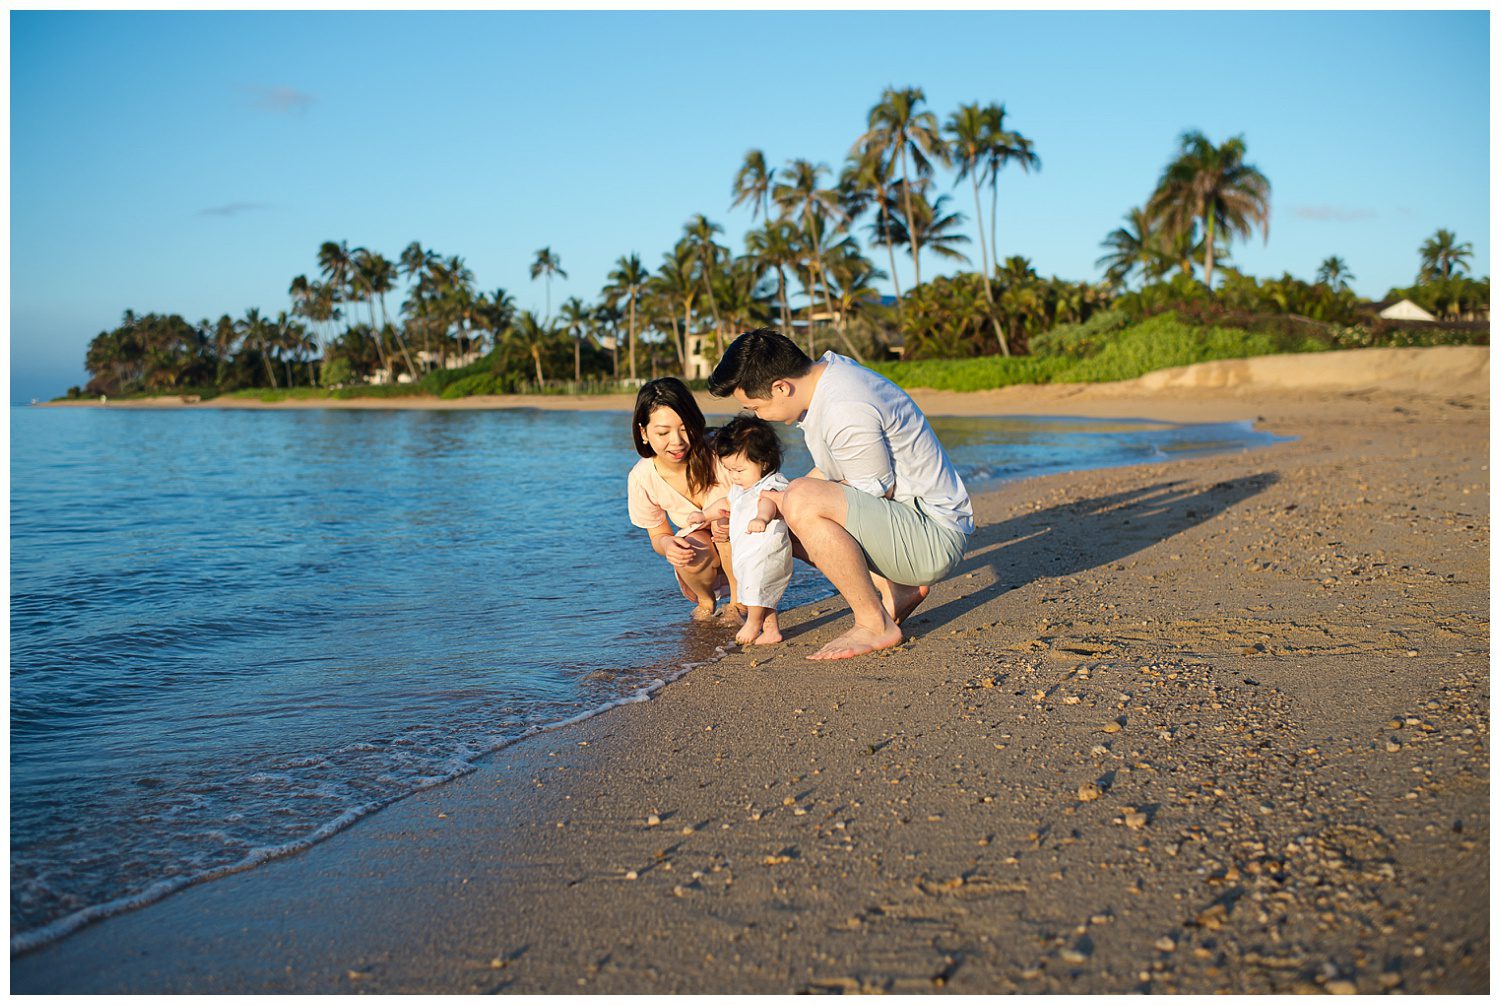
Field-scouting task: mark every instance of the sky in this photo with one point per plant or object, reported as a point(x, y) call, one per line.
point(193, 162)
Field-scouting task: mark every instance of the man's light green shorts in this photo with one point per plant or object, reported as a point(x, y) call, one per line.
point(902, 542)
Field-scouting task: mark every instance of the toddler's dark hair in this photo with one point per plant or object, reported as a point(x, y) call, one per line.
point(753, 437)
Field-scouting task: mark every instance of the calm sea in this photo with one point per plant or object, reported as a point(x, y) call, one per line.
point(235, 633)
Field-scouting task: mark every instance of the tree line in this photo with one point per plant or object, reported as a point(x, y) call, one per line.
point(805, 265)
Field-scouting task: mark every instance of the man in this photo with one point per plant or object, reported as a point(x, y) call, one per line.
point(883, 514)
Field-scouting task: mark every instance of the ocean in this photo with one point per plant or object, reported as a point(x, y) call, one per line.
point(234, 633)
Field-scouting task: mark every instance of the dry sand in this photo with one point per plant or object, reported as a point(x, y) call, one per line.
point(1219, 724)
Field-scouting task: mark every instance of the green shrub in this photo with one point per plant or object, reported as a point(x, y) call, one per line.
point(1164, 341)
point(975, 374)
point(1080, 341)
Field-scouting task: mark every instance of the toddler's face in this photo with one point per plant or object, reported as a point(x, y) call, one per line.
point(742, 470)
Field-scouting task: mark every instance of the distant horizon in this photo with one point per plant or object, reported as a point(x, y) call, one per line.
point(191, 162)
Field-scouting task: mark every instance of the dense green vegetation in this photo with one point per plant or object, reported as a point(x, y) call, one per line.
point(804, 269)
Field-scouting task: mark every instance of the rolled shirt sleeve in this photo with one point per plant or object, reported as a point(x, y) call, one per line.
point(644, 511)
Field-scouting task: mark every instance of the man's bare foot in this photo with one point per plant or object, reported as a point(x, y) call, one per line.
point(906, 599)
point(768, 637)
point(704, 612)
point(857, 641)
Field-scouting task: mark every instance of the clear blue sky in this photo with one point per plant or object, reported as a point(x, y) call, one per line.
point(193, 162)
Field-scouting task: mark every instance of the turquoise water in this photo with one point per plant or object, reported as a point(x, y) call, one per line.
point(234, 633)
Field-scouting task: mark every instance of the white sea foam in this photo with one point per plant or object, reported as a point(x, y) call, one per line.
point(457, 767)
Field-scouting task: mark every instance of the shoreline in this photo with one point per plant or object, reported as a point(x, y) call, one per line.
point(481, 863)
point(1208, 389)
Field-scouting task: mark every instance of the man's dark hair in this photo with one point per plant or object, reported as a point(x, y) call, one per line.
point(755, 361)
point(753, 437)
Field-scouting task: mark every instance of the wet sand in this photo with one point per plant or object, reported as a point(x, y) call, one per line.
point(1218, 724)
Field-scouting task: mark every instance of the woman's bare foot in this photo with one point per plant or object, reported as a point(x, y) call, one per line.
point(704, 613)
point(857, 641)
point(733, 614)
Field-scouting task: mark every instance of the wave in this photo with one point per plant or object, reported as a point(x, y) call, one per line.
point(23, 942)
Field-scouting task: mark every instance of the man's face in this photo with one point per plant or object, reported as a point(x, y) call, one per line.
point(779, 407)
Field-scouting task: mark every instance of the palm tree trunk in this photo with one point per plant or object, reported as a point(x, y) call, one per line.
point(536, 355)
point(380, 344)
point(989, 294)
point(1208, 251)
point(577, 365)
point(386, 321)
point(890, 249)
point(916, 246)
point(786, 307)
point(632, 335)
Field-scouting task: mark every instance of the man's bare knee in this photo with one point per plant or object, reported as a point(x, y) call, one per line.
point(805, 499)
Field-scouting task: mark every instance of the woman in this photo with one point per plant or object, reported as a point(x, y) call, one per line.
point(678, 476)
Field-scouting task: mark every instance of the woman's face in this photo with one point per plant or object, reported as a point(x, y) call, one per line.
point(666, 435)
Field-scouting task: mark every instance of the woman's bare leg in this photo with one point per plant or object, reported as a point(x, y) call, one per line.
point(701, 575)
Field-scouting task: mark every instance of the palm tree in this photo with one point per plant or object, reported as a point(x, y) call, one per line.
point(548, 265)
point(1005, 147)
point(1443, 257)
point(899, 130)
point(854, 278)
point(532, 336)
point(869, 171)
point(775, 245)
point(575, 319)
point(935, 227)
point(255, 333)
point(981, 147)
point(752, 185)
point(969, 128)
point(676, 283)
point(627, 279)
point(1214, 186)
point(1334, 273)
point(376, 276)
point(1132, 248)
point(699, 233)
point(801, 197)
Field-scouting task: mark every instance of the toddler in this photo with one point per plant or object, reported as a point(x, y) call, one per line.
point(761, 546)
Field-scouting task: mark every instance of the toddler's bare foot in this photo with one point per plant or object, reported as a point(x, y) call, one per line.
point(857, 641)
point(768, 637)
point(746, 636)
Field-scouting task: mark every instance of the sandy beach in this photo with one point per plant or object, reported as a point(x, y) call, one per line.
point(1217, 724)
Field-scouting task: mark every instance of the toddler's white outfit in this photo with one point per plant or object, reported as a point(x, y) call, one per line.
point(762, 562)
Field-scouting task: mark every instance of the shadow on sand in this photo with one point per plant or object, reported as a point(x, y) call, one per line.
point(1073, 537)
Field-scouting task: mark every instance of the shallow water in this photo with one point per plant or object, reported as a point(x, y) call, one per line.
point(233, 633)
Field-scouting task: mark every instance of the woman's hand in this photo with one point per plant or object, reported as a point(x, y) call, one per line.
point(678, 551)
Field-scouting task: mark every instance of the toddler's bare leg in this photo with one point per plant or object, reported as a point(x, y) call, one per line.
point(770, 632)
point(754, 616)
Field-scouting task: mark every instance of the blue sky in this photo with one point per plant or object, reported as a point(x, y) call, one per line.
point(192, 163)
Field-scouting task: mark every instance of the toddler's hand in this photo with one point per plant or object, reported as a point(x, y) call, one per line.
point(755, 526)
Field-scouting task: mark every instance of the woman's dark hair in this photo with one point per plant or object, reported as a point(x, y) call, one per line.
point(755, 361)
point(669, 392)
point(753, 437)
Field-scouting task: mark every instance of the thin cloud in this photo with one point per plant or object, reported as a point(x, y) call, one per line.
point(281, 100)
point(1335, 213)
point(233, 209)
